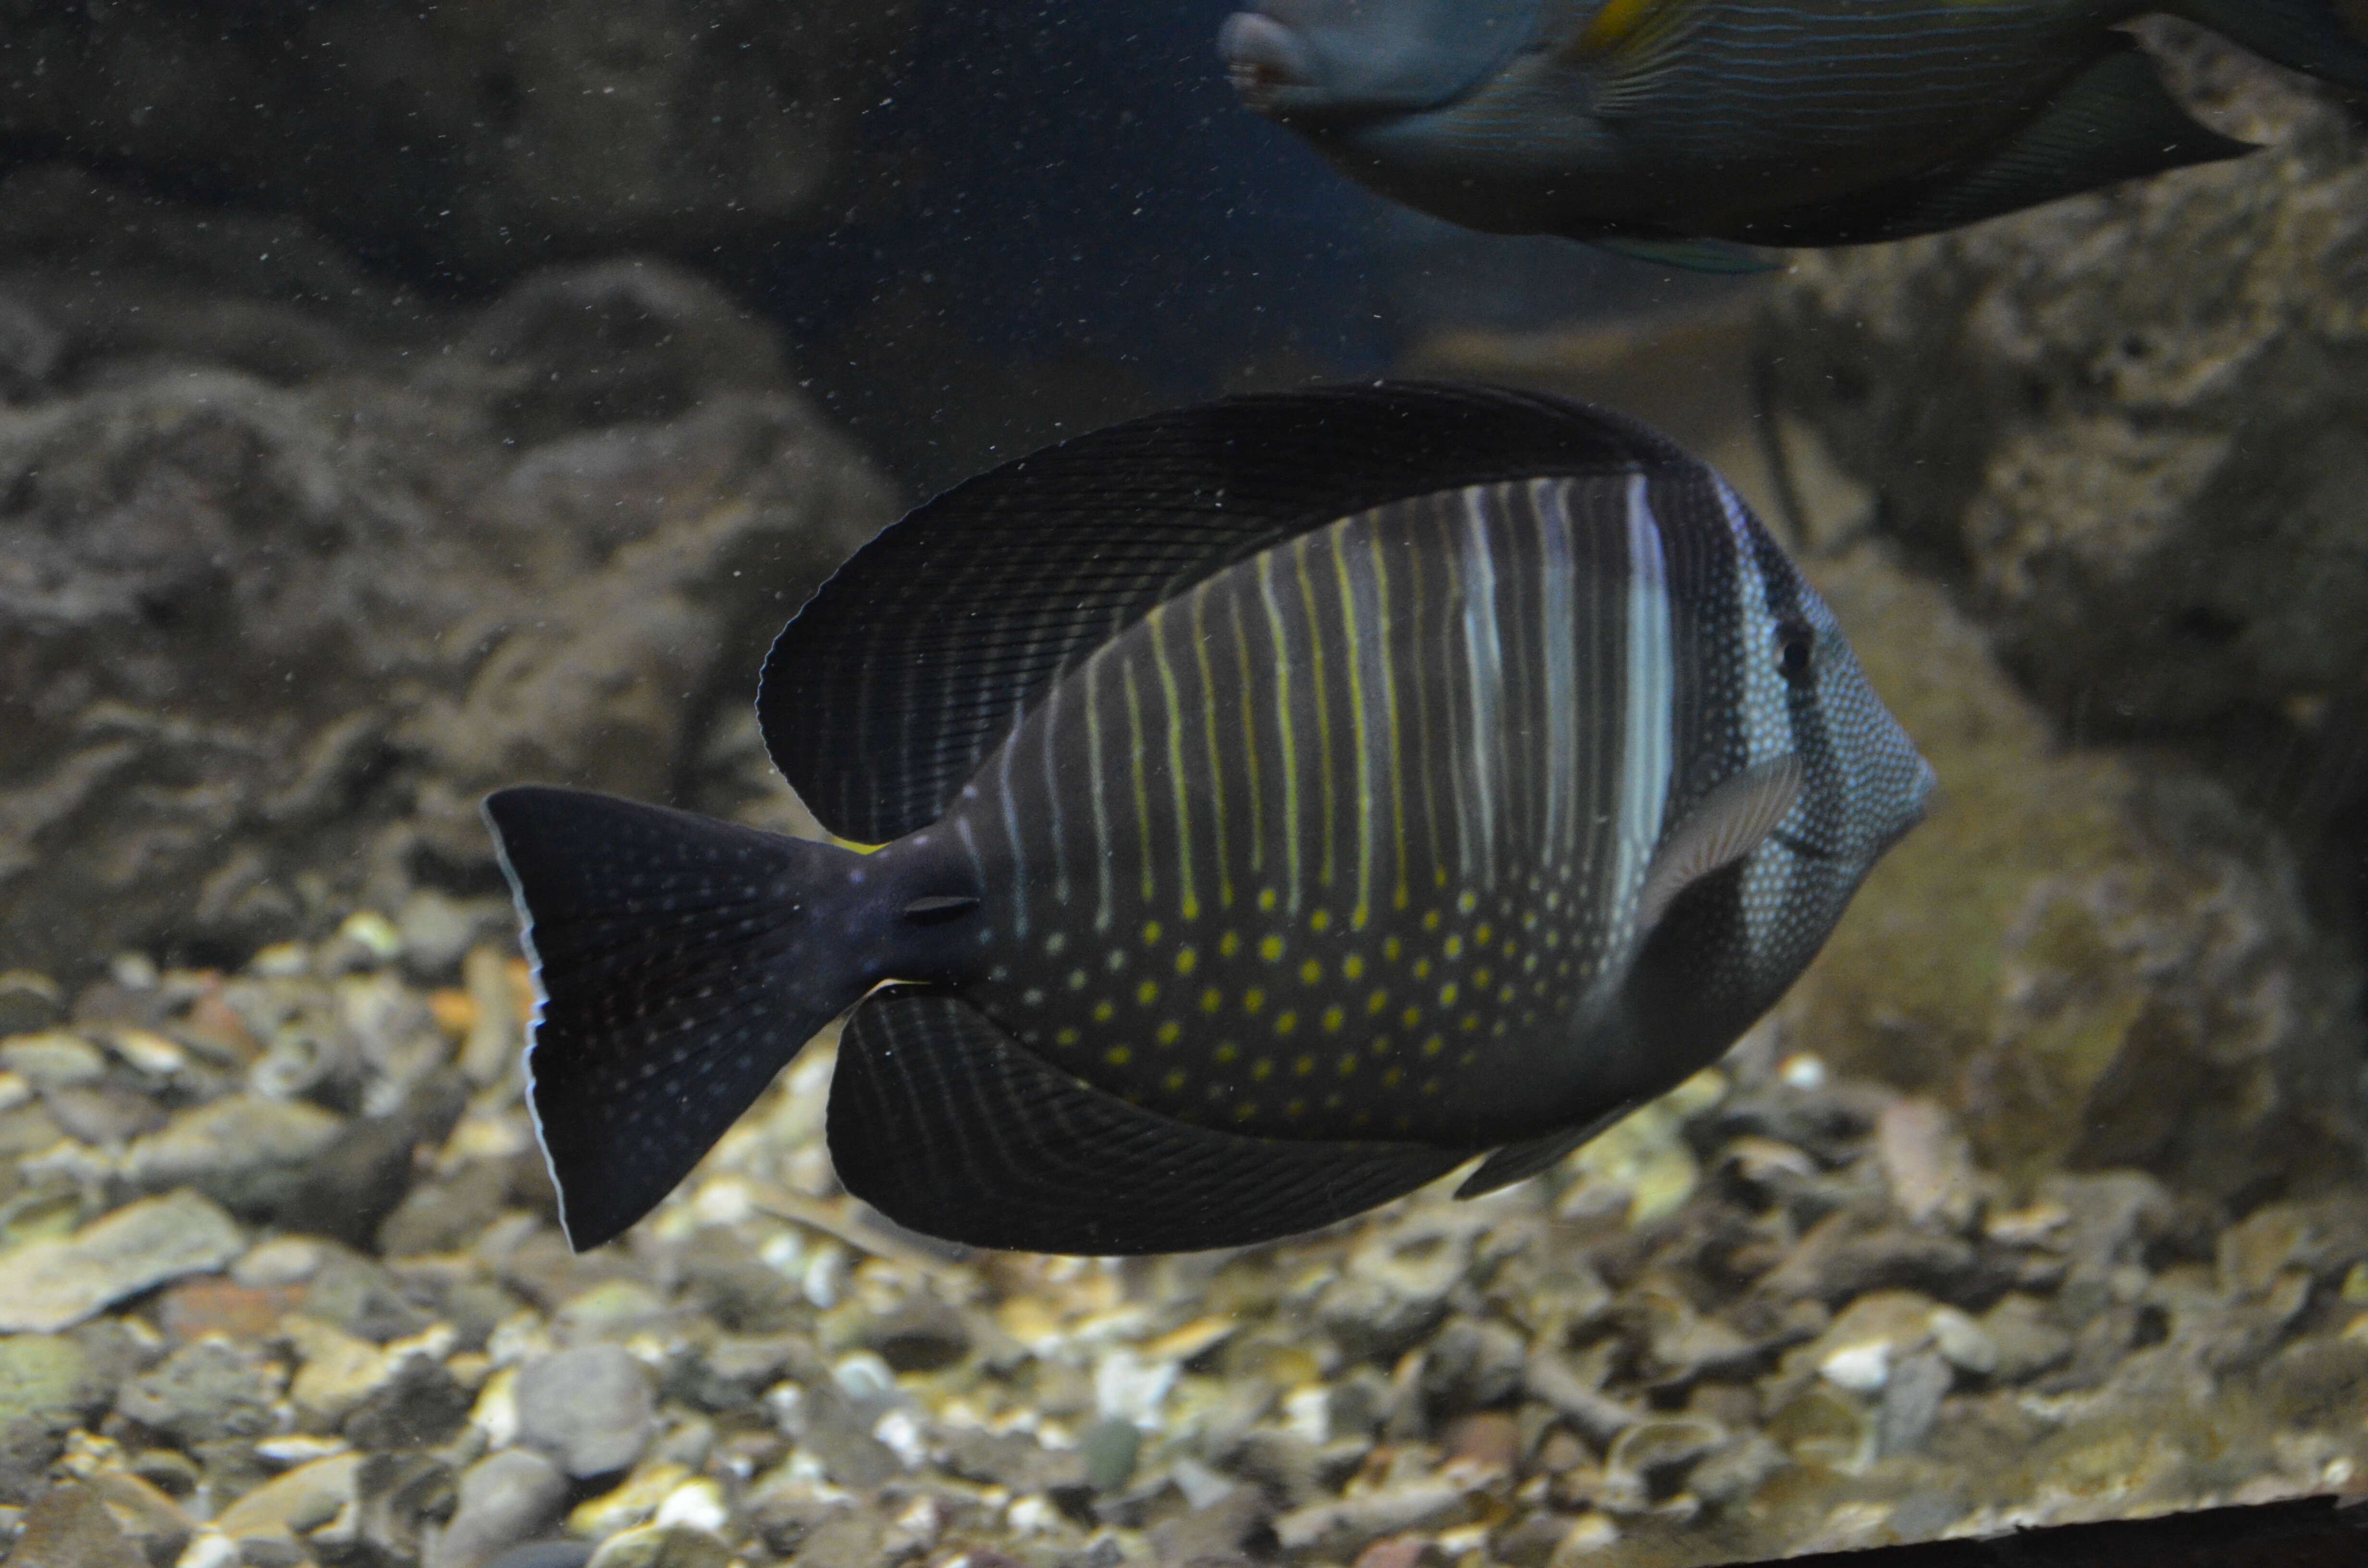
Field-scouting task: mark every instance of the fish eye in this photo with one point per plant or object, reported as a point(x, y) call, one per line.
point(1796, 647)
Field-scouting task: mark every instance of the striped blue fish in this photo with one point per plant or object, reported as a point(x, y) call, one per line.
point(1279, 803)
point(1690, 130)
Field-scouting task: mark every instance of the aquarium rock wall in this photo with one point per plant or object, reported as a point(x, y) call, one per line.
point(297, 566)
point(2135, 427)
point(2131, 430)
point(468, 141)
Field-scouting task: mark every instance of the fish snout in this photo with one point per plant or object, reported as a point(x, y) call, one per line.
point(1264, 58)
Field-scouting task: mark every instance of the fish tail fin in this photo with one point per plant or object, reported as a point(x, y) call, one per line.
point(2325, 39)
point(679, 963)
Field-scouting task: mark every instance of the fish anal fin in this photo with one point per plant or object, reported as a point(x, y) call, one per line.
point(1724, 257)
point(1533, 1156)
point(1731, 822)
point(947, 1125)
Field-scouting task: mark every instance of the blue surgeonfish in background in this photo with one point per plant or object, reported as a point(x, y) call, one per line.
point(1282, 801)
point(1688, 130)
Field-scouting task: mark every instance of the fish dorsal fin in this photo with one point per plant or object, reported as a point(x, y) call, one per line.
point(1630, 45)
point(943, 1122)
point(1735, 819)
point(912, 663)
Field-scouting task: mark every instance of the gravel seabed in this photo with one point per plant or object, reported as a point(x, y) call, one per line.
point(282, 1284)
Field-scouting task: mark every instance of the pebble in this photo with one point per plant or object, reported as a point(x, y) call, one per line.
point(302, 1501)
point(589, 1408)
point(661, 1546)
point(68, 1526)
point(53, 1060)
point(209, 1387)
point(55, 1283)
point(246, 1152)
point(47, 1381)
point(1911, 1404)
point(1337, 1529)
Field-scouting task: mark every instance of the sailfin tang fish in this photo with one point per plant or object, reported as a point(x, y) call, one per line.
point(1690, 130)
point(1280, 802)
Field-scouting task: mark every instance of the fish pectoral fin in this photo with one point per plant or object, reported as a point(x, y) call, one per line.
point(1723, 257)
point(947, 1125)
point(1733, 820)
point(1518, 1162)
point(2112, 121)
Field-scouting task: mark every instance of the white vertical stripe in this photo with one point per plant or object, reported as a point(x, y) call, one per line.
point(1645, 731)
point(1766, 716)
point(1484, 670)
point(1060, 834)
point(1766, 711)
point(1011, 838)
point(977, 861)
point(1557, 580)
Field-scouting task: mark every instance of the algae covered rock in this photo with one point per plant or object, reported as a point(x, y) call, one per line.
point(2091, 955)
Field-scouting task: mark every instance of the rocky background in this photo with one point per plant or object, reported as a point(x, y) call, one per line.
point(2131, 427)
point(369, 438)
point(295, 566)
point(465, 142)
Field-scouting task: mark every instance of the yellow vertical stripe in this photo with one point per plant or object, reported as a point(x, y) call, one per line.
point(1354, 663)
point(1281, 671)
point(1247, 686)
point(1141, 785)
point(1191, 902)
point(1322, 704)
point(1430, 754)
point(1402, 895)
point(1216, 759)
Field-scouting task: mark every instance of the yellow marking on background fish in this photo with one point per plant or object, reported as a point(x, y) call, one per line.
point(1617, 23)
point(1216, 761)
point(1351, 634)
point(1282, 725)
point(1323, 703)
point(1191, 902)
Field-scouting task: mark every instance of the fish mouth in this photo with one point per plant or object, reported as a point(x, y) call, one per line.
point(1264, 59)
